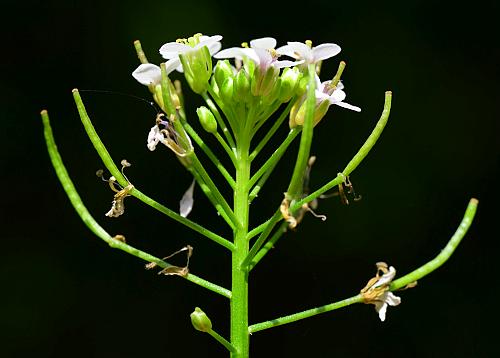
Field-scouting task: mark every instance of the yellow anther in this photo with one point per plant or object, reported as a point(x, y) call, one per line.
point(244, 44)
point(309, 43)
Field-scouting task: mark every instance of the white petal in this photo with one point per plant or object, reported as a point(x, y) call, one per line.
point(282, 64)
point(386, 277)
point(265, 43)
point(337, 96)
point(348, 106)
point(172, 49)
point(381, 308)
point(287, 51)
point(262, 57)
point(392, 299)
point(214, 48)
point(147, 74)
point(301, 48)
point(173, 64)
point(231, 52)
point(324, 51)
point(154, 137)
point(186, 203)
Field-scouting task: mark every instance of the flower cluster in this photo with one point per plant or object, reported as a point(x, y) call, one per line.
point(255, 84)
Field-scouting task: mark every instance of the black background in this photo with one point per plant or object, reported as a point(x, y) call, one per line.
point(64, 293)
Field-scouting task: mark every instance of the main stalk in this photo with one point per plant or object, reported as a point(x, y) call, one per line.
point(239, 300)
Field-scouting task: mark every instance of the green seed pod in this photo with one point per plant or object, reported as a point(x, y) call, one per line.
point(200, 320)
point(207, 119)
point(223, 70)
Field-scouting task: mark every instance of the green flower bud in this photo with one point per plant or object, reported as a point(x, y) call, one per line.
point(289, 82)
point(223, 70)
point(298, 112)
point(207, 119)
point(242, 88)
point(200, 320)
point(274, 95)
point(227, 90)
point(197, 66)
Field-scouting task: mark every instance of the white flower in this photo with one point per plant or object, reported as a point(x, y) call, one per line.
point(149, 74)
point(387, 298)
point(187, 201)
point(377, 292)
point(302, 51)
point(172, 50)
point(154, 137)
point(261, 51)
point(334, 95)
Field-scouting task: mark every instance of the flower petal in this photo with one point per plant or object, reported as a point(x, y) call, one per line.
point(324, 51)
point(231, 52)
point(392, 299)
point(173, 64)
point(214, 48)
point(286, 63)
point(172, 49)
point(348, 106)
point(301, 48)
point(265, 43)
point(147, 74)
point(381, 308)
point(187, 201)
point(287, 50)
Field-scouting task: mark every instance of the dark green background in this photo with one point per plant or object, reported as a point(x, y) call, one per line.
point(64, 293)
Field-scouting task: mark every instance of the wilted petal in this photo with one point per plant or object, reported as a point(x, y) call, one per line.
point(386, 277)
point(154, 137)
point(263, 43)
point(381, 308)
point(392, 299)
point(187, 201)
point(172, 49)
point(324, 51)
point(147, 74)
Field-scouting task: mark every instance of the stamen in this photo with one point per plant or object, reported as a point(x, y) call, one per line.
point(309, 43)
point(244, 44)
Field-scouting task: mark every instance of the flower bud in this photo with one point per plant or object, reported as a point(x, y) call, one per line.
point(242, 87)
point(207, 119)
point(223, 70)
point(298, 112)
point(227, 90)
point(289, 82)
point(200, 320)
point(197, 66)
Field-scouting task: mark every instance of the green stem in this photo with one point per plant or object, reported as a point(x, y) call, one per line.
point(113, 169)
point(90, 222)
point(305, 314)
point(445, 254)
point(262, 238)
point(220, 120)
point(224, 145)
point(295, 187)
point(273, 159)
point(268, 245)
point(222, 341)
point(413, 276)
point(239, 302)
point(271, 131)
point(209, 153)
point(233, 221)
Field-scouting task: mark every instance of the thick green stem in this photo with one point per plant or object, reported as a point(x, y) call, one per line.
point(239, 302)
point(116, 242)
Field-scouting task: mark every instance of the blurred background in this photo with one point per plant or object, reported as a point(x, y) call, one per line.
point(66, 293)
